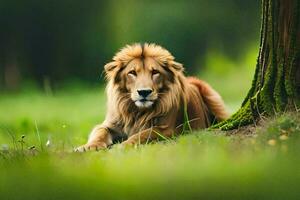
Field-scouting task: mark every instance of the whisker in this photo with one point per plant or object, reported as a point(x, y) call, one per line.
point(162, 93)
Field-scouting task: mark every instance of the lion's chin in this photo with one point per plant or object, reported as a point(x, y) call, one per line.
point(143, 104)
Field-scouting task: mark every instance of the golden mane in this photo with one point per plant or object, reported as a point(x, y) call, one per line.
point(130, 52)
point(123, 105)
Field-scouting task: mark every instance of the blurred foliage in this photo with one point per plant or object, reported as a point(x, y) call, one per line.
point(51, 42)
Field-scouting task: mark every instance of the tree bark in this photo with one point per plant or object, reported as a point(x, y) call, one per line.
point(276, 83)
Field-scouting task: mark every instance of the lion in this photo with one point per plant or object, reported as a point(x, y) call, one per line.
point(149, 97)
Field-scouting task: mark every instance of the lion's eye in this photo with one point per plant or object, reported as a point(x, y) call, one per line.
point(132, 72)
point(154, 72)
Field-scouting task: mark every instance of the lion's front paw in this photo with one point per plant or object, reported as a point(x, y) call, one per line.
point(95, 146)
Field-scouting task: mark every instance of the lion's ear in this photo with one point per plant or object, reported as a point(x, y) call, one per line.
point(177, 66)
point(110, 66)
point(111, 69)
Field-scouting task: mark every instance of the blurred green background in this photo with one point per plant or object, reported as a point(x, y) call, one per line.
point(52, 43)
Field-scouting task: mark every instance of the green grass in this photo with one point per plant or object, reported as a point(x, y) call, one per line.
point(67, 115)
point(201, 165)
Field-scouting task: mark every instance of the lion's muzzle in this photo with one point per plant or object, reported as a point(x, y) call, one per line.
point(144, 98)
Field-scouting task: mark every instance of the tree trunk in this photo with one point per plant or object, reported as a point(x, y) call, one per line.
point(276, 84)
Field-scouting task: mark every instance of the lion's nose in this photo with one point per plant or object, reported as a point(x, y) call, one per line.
point(144, 92)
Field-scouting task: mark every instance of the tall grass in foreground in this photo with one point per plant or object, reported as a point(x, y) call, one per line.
point(203, 164)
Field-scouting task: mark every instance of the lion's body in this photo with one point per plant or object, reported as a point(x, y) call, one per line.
point(174, 100)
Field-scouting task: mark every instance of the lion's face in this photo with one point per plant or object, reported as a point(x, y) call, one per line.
point(144, 74)
point(145, 80)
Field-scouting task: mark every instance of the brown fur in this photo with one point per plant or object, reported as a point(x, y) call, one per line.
point(151, 66)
